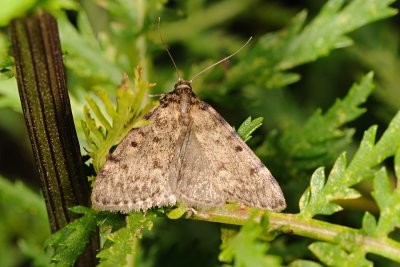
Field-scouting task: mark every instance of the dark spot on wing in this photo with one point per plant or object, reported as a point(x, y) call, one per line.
point(173, 124)
point(222, 167)
point(204, 106)
point(148, 115)
point(105, 201)
point(221, 120)
point(158, 120)
point(143, 198)
point(238, 148)
point(281, 202)
point(134, 144)
point(156, 164)
point(126, 202)
point(112, 157)
point(253, 171)
point(144, 189)
point(156, 139)
point(116, 202)
point(232, 135)
point(155, 192)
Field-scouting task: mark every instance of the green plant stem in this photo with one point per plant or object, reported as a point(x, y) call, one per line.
point(297, 225)
point(47, 111)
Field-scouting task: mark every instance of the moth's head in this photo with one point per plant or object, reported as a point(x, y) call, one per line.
point(183, 85)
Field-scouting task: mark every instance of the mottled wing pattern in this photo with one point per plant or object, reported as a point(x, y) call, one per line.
point(232, 167)
point(194, 186)
point(139, 174)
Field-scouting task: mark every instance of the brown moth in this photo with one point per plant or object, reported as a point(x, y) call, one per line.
point(189, 153)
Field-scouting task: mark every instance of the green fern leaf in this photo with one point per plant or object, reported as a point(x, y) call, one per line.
point(70, 241)
point(245, 250)
point(317, 199)
point(248, 127)
point(124, 241)
point(334, 255)
point(304, 263)
point(388, 201)
point(321, 138)
point(301, 43)
point(108, 129)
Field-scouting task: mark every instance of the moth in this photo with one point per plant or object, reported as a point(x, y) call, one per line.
point(188, 154)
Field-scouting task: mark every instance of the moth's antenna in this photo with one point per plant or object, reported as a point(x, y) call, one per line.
point(222, 60)
point(166, 48)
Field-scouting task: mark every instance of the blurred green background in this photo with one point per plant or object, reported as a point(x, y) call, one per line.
point(116, 36)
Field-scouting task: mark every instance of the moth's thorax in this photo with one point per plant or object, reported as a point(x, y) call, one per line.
point(183, 90)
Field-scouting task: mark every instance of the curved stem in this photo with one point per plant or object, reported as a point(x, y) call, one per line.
point(295, 224)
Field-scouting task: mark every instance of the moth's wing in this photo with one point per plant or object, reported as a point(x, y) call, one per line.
point(233, 166)
point(137, 174)
point(194, 186)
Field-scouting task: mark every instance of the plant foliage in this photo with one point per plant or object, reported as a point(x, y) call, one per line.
point(123, 243)
point(297, 148)
point(248, 127)
point(302, 43)
point(22, 208)
point(70, 242)
point(124, 117)
point(245, 249)
point(321, 137)
point(318, 198)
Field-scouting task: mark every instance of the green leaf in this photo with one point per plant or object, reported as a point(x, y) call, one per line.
point(327, 31)
point(69, 242)
point(124, 241)
point(387, 200)
point(300, 43)
point(344, 110)
point(248, 127)
point(304, 263)
point(87, 59)
point(228, 232)
point(245, 250)
point(9, 97)
point(177, 213)
point(6, 61)
point(97, 112)
point(334, 255)
point(321, 138)
point(34, 253)
point(19, 195)
point(369, 224)
point(10, 10)
point(24, 224)
point(109, 128)
point(317, 185)
point(361, 167)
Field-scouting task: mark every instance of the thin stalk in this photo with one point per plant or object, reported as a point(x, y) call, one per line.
point(43, 91)
point(297, 225)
